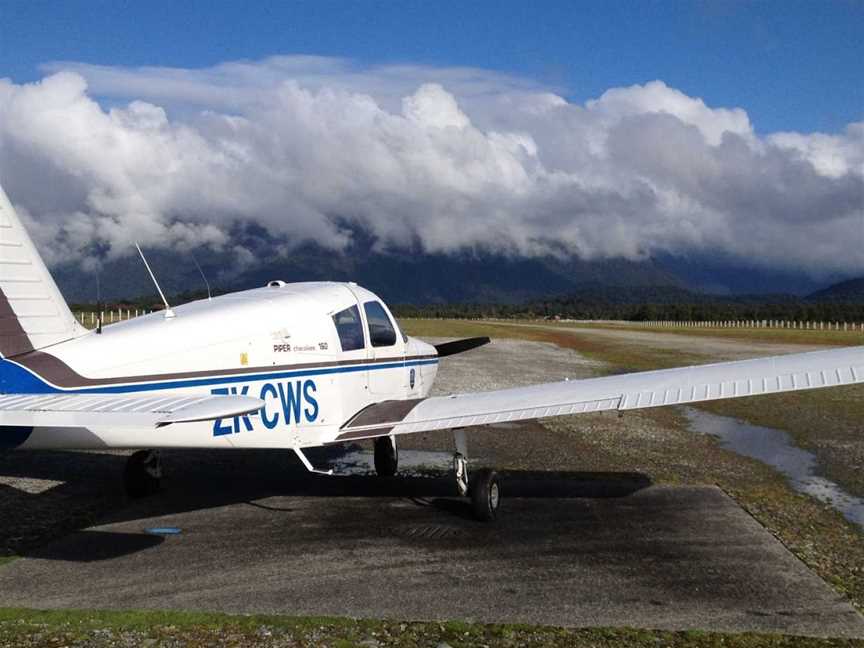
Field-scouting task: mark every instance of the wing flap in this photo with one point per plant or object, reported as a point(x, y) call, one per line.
point(95, 410)
point(622, 392)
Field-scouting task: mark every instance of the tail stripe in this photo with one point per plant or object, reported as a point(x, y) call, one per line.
point(13, 339)
point(33, 313)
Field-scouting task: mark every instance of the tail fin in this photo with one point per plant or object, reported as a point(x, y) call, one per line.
point(33, 313)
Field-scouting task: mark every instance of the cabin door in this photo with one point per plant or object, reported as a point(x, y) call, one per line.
point(387, 377)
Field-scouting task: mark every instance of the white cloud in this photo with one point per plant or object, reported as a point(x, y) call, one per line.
point(450, 157)
point(658, 98)
point(832, 155)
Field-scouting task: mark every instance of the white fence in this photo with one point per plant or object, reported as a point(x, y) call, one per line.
point(752, 324)
point(89, 318)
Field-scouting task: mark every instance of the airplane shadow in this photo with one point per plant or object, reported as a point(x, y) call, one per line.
point(92, 546)
point(83, 489)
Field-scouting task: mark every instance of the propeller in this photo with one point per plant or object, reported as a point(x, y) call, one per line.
point(460, 346)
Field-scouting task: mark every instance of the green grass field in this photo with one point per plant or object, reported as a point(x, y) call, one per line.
point(24, 628)
point(775, 335)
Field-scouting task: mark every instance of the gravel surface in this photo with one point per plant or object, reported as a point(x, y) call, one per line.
point(715, 348)
point(509, 363)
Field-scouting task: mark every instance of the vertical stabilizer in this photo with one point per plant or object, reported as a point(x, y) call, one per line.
point(33, 313)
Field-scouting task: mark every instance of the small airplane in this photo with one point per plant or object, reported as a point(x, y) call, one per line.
point(292, 366)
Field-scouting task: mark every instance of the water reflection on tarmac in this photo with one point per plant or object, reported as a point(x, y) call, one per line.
point(777, 449)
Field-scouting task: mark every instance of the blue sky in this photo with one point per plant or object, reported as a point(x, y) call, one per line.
point(793, 65)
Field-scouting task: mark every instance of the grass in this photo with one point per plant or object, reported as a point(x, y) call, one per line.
point(22, 628)
point(827, 422)
point(775, 335)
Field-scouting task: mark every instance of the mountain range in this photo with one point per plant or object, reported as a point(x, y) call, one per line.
point(417, 277)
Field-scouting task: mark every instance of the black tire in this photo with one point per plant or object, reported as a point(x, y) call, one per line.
point(485, 493)
point(386, 456)
point(143, 473)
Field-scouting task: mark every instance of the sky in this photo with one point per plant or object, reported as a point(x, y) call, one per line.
point(794, 64)
point(604, 129)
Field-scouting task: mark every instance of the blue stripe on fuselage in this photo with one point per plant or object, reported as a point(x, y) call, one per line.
point(15, 379)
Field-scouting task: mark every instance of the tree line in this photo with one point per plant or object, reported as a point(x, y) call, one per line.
point(597, 303)
point(717, 310)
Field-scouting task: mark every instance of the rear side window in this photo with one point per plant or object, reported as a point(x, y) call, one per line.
point(381, 331)
point(350, 328)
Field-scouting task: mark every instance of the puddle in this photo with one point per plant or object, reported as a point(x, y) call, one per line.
point(777, 449)
point(412, 463)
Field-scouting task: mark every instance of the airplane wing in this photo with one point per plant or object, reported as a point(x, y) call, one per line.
point(97, 410)
point(622, 392)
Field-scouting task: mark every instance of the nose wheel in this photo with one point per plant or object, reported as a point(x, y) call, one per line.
point(386, 456)
point(143, 473)
point(483, 488)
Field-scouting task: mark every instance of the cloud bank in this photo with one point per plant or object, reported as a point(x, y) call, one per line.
point(442, 158)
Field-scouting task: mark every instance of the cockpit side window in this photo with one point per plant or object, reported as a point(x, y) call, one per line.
point(350, 328)
point(381, 331)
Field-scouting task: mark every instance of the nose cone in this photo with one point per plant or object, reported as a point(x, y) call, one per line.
point(420, 348)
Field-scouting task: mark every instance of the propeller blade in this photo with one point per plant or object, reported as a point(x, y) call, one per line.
point(460, 346)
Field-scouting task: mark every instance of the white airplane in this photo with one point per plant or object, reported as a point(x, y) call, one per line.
point(292, 366)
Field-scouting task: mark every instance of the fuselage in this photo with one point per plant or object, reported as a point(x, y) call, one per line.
point(315, 353)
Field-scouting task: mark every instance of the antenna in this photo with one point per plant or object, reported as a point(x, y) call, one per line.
point(168, 311)
point(98, 306)
point(206, 283)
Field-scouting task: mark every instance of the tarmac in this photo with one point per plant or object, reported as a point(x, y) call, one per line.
point(569, 549)
point(256, 534)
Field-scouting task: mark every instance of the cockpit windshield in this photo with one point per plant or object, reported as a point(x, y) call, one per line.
point(381, 331)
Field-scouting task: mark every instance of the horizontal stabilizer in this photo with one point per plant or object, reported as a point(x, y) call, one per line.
point(215, 407)
point(124, 410)
point(460, 346)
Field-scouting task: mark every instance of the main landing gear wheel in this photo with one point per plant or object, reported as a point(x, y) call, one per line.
point(143, 473)
point(386, 456)
point(482, 487)
point(485, 493)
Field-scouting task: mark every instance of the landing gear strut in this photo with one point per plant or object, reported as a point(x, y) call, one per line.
point(386, 456)
point(483, 487)
point(143, 473)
